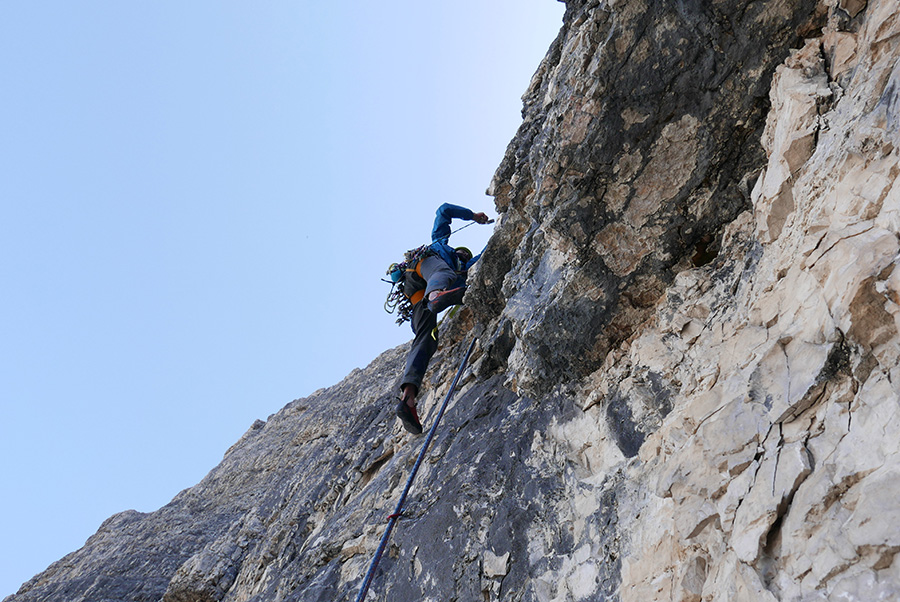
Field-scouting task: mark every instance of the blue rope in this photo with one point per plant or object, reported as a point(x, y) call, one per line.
point(392, 519)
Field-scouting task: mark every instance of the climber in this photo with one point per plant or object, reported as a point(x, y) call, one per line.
point(443, 271)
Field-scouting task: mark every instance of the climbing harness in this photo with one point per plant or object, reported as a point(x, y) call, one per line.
point(398, 511)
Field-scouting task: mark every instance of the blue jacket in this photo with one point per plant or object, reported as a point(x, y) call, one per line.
point(440, 235)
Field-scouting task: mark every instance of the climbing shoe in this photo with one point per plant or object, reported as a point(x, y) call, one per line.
point(409, 417)
point(438, 301)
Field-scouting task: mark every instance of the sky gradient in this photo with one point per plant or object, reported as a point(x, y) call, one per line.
point(198, 203)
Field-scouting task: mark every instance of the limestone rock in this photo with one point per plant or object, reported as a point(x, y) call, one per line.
point(685, 386)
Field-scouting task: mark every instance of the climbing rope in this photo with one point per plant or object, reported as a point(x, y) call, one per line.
point(490, 221)
point(398, 511)
point(449, 314)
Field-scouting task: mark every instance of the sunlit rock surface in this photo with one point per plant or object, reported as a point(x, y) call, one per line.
point(686, 381)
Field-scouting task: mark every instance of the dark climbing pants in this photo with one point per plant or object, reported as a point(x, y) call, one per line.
point(423, 347)
point(439, 276)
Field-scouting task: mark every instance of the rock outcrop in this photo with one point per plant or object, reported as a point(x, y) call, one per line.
point(687, 381)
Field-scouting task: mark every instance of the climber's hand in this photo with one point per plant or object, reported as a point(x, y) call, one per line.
point(480, 218)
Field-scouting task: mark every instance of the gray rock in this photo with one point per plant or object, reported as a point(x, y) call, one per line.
point(685, 386)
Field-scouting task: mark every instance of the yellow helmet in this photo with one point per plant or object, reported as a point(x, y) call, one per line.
point(467, 252)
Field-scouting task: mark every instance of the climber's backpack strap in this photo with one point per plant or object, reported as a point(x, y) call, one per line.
point(414, 284)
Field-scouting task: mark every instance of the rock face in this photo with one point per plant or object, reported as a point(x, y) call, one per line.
point(687, 381)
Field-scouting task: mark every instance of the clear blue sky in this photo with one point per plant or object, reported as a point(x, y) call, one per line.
point(198, 201)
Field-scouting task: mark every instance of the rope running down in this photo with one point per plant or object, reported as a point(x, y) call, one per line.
point(398, 511)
